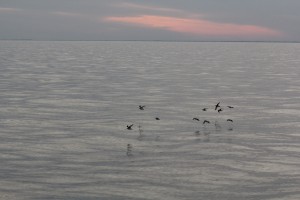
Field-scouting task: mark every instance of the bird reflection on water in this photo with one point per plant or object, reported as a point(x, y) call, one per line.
point(201, 135)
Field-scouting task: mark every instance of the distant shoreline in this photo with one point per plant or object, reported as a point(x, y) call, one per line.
point(235, 41)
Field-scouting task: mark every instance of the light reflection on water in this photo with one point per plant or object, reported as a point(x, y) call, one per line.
point(65, 107)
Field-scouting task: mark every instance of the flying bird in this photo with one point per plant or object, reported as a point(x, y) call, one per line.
point(217, 106)
point(220, 110)
point(141, 107)
point(229, 120)
point(129, 127)
point(195, 118)
point(206, 121)
point(157, 118)
point(230, 107)
point(204, 109)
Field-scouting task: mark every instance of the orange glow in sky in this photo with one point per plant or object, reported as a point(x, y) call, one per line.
point(196, 26)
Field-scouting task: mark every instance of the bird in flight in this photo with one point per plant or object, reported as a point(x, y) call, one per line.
point(206, 121)
point(195, 118)
point(141, 107)
point(129, 127)
point(229, 120)
point(217, 106)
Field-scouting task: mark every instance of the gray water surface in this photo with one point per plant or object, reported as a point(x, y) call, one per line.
point(64, 107)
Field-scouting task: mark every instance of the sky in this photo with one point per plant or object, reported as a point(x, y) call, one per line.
point(166, 20)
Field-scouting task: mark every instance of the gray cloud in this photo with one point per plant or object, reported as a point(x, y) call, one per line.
point(83, 19)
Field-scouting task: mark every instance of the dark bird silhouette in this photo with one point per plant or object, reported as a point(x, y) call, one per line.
point(157, 118)
point(129, 127)
point(206, 121)
point(195, 119)
point(204, 109)
point(229, 120)
point(217, 106)
point(230, 107)
point(141, 107)
point(220, 110)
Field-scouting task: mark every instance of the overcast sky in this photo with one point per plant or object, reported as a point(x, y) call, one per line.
point(202, 20)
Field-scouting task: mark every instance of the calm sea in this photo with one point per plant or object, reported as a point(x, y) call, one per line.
point(65, 106)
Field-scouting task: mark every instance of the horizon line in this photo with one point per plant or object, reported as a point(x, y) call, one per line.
point(63, 40)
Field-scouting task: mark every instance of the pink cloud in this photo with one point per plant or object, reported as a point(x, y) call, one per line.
point(196, 26)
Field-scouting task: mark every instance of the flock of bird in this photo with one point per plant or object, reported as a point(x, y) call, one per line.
point(217, 108)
